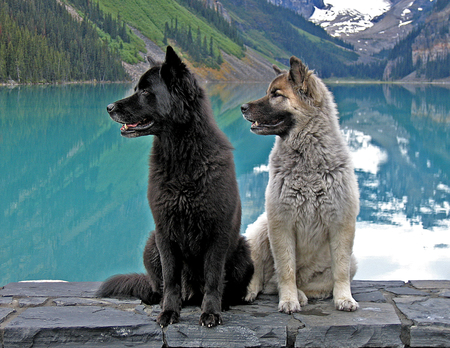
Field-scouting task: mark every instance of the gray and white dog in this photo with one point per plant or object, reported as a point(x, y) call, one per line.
point(303, 243)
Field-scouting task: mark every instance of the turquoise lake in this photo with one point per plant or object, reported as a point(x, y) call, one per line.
point(73, 200)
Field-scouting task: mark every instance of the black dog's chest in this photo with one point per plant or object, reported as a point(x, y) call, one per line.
point(179, 210)
point(180, 193)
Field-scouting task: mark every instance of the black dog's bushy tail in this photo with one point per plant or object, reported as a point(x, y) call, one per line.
point(239, 272)
point(129, 285)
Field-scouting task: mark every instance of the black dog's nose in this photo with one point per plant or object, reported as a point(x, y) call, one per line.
point(244, 108)
point(110, 107)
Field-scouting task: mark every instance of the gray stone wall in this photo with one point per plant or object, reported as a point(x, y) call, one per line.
point(391, 314)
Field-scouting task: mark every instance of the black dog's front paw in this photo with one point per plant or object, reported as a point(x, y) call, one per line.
point(210, 319)
point(166, 318)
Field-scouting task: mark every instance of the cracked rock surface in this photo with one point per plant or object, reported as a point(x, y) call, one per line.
point(62, 314)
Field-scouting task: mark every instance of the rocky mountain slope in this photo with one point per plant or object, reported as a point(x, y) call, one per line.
point(433, 42)
point(234, 40)
point(418, 29)
point(408, 39)
point(253, 67)
point(262, 38)
point(372, 29)
point(425, 53)
point(370, 26)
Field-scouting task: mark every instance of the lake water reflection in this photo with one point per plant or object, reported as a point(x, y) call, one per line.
point(73, 192)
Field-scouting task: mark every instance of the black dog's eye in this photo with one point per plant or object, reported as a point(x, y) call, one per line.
point(144, 92)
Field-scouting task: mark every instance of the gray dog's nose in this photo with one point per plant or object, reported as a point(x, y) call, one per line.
point(110, 107)
point(244, 108)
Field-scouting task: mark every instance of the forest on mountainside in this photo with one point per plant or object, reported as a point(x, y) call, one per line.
point(200, 49)
point(214, 18)
point(41, 42)
point(105, 21)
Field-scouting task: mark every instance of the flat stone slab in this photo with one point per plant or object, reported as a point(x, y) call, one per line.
point(431, 320)
point(82, 325)
point(403, 290)
point(372, 325)
point(430, 284)
point(429, 336)
point(51, 289)
point(4, 312)
point(425, 311)
point(183, 335)
point(391, 314)
point(255, 325)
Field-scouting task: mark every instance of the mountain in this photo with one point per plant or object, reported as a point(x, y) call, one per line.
point(374, 25)
point(431, 48)
point(279, 33)
point(304, 8)
point(425, 53)
point(259, 34)
point(355, 42)
point(231, 40)
point(340, 18)
point(369, 26)
point(201, 31)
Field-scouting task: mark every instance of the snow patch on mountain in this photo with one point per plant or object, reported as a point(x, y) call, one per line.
point(349, 16)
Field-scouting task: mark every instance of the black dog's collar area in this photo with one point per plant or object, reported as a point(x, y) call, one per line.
point(132, 130)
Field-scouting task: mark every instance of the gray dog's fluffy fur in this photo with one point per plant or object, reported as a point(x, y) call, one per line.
point(303, 243)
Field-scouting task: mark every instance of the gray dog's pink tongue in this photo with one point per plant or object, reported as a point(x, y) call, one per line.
point(126, 126)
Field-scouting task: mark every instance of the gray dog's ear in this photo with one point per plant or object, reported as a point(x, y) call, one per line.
point(304, 81)
point(278, 71)
point(151, 61)
point(298, 72)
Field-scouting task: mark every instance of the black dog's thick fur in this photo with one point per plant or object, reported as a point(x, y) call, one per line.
point(196, 253)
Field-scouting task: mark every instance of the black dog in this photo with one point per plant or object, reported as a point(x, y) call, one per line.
point(196, 253)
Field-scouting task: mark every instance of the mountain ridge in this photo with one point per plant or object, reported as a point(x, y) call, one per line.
point(410, 37)
point(269, 39)
point(231, 40)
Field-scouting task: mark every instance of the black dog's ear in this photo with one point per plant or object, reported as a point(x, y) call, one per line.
point(172, 58)
point(172, 68)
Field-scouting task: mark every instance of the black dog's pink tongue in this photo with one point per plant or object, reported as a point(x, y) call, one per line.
point(126, 126)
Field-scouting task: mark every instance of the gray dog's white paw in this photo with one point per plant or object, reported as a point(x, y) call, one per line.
point(302, 298)
point(348, 305)
point(251, 296)
point(289, 307)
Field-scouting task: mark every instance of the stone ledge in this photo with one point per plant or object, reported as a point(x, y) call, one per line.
point(62, 314)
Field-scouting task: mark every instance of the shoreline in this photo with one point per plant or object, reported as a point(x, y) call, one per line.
point(327, 81)
point(88, 82)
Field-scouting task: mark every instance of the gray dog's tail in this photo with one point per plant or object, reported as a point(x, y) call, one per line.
point(129, 285)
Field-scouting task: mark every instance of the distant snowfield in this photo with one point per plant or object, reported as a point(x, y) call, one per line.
point(372, 7)
point(357, 13)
